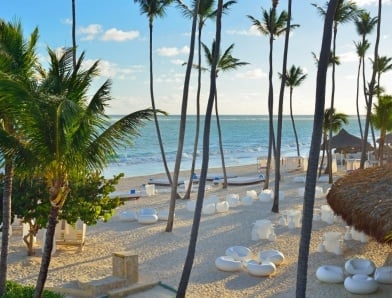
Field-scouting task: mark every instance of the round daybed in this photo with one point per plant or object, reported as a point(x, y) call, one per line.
point(191, 205)
point(360, 266)
point(240, 253)
point(147, 216)
point(330, 274)
point(383, 274)
point(272, 255)
point(266, 195)
point(163, 214)
point(263, 269)
point(233, 200)
point(209, 208)
point(128, 216)
point(251, 193)
point(360, 284)
point(222, 206)
point(227, 263)
point(247, 201)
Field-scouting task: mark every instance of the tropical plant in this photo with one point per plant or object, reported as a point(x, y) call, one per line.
point(17, 60)
point(153, 9)
point(294, 78)
point(68, 132)
point(311, 174)
point(345, 12)
point(364, 25)
point(14, 290)
point(381, 119)
point(205, 11)
point(336, 121)
point(226, 62)
point(371, 88)
point(383, 65)
point(203, 175)
point(271, 26)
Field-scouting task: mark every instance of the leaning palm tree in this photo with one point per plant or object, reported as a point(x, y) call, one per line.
point(181, 293)
point(153, 9)
point(226, 62)
point(364, 25)
point(17, 59)
point(205, 11)
point(271, 26)
point(294, 78)
point(311, 175)
point(68, 133)
point(382, 120)
point(336, 121)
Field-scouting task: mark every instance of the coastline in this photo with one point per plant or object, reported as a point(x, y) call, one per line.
point(161, 255)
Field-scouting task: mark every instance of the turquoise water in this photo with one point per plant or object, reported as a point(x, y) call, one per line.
point(244, 139)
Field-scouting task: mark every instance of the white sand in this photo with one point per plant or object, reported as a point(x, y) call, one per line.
point(162, 254)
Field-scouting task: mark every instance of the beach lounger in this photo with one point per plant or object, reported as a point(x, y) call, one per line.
point(125, 196)
point(212, 177)
point(162, 181)
point(244, 180)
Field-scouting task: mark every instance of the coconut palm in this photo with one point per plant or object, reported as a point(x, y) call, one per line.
point(271, 26)
point(371, 88)
point(205, 11)
point(153, 9)
point(336, 121)
point(181, 293)
point(17, 59)
point(294, 78)
point(383, 65)
point(226, 62)
point(311, 175)
point(382, 120)
point(69, 133)
point(74, 33)
point(364, 25)
point(345, 12)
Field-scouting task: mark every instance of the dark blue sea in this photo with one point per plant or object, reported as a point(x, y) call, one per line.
point(245, 137)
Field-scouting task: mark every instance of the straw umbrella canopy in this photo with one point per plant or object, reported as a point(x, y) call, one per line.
point(346, 142)
point(363, 199)
point(387, 140)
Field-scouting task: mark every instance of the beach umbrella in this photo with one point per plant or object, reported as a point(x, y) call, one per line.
point(387, 140)
point(363, 199)
point(345, 142)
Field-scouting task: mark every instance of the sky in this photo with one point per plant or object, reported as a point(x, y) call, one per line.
point(117, 34)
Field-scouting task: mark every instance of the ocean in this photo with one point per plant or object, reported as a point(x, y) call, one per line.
point(245, 137)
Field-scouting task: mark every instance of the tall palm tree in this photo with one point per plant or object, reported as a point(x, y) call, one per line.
point(153, 9)
point(383, 65)
point(271, 26)
point(311, 175)
point(345, 12)
point(203, 175)
point(74, 33)
point(69, 134)
point(336, 121)
point(205, 11)
point(371, 88)
point(17, 59)
point(382, 120)
point(226, 62)
point(294, 78)
point(364, 25)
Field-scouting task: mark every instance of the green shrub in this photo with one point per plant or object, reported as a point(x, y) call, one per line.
point(15, 290)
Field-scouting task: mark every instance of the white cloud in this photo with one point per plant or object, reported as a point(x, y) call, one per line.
point(170, 52)
point(371, 2)
point(252, 31)
point(348, 57)
point(177, 61)
point(252, 74)
point(90, 32)
point(119, 35)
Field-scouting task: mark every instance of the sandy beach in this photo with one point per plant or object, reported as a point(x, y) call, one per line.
point(161, 255)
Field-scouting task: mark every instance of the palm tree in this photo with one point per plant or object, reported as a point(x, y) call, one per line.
point(153, 9)
point(336, 121)
point(294, 78)
point(74, 33)
point(383, 65)
point(205, 11)
point(364, 25)
point(69, 135)
point(382, 120)
point(371, 88)
point(311, 175)
point(17, 59)
point(203, 175)
point(271, 26)
point(345, 12)
point(226, 62)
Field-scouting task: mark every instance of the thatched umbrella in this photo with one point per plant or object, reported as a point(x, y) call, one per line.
point(387, 140)
point(363, 199)
point(346, 142)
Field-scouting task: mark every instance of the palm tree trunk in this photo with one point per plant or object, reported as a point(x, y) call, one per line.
point(357, 97)
point(181, 135)
point(371, 89)
point(293, 122)
point(220, 141)
point(275, 206)
point(47, 253)
point(311, 175)
point(73, 35)
point(203, 176)
point(7, 197)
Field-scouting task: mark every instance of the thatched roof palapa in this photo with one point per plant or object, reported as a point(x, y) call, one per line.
point(363, 199)
point(346, 142)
